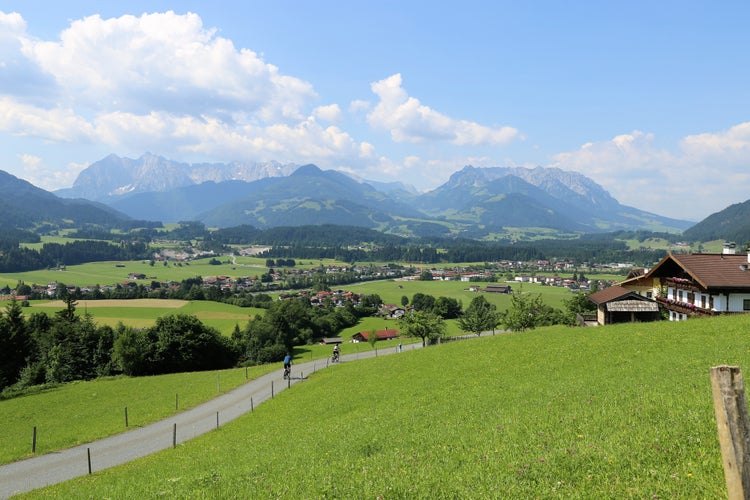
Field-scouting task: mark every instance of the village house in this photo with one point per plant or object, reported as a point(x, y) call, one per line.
point(392, 311)
point(699, 284)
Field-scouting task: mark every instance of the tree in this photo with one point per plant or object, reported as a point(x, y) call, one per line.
point(422, 302)
point(447, 307)
point(14, 343)
point(578, 303)
point(184, 343)
point(423, 324)
point(404, 300)
point(522, 313)
point(480, 316)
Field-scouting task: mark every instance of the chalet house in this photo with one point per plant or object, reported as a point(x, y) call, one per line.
point(388, 334)
point(699, 284)
point(617, 304)
point(392, 311)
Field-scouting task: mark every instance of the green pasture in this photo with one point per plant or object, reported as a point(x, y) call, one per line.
point(621, 411)
point(142, 313)
point(391, 291)
point(114, 272)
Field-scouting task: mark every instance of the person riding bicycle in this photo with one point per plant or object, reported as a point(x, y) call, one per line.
point(336, 352)
point(287, 364)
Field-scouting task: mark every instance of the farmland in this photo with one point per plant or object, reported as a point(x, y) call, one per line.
point(608, 412)
point(141, 313)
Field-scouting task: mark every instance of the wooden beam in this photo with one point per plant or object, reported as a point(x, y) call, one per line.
point(733, 425)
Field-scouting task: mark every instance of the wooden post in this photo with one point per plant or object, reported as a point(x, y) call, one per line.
point(174, 436)
point(733, 425)
point(88, 454)
point(251, 404)
point(246, 373)
point(126, 416)
point(33, 441)
point(271, 389)
point(217, 419)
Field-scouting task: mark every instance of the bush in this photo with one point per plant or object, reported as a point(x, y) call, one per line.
point(271, 354)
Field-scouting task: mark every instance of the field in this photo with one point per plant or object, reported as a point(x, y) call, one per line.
point(142, 313)
point(622, 411)
point(391, 291)
point(113, 272)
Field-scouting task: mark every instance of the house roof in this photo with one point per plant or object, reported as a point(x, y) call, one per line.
point(380, 334)
point(615, 292)
point(632, 306)
point(709, 270)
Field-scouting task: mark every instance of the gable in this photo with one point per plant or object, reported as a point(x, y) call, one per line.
point(707, 270)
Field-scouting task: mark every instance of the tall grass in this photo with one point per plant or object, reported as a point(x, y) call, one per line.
point(612, 412)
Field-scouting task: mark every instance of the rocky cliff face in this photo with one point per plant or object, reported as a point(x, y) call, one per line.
point(114, 176)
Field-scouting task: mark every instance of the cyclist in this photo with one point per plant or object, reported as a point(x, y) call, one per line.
point(287, 365)
point(335, 353)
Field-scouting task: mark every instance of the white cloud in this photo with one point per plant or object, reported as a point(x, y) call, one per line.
point(164, 83)
point(331, 113)
point(56, 124)
point(707, 174)
point(168, 62)
point(359, 106)
point(730, 146)
point(408, 120)
point(46, 177)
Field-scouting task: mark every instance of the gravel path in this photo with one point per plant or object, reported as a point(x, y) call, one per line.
point(59, 466)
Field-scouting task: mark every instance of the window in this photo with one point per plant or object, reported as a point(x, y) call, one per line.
point(746, 304)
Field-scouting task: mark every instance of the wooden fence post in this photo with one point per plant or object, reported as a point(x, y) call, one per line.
point(733, 425)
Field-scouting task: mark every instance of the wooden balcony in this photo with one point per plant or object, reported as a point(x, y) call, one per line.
point(684, 308)
point(682, 284)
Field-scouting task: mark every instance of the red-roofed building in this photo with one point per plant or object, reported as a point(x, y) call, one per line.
point(388, 334)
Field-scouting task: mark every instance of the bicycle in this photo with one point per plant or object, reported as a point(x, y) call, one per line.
point(287, 372)
point(335, 357)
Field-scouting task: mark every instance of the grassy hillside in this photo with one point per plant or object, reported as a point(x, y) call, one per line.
point(611, 412)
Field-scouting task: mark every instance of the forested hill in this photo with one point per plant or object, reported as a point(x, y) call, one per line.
point(732, 223)
point(25, 206)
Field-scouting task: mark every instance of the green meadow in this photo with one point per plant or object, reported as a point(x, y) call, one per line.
point(142, 313)
point(114, 272)
point(621, 411)
point(391, 291)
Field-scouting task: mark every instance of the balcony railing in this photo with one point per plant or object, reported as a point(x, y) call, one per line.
point(685, 307)
point(683, 284)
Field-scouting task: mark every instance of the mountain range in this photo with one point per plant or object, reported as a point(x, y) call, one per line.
point(473, 203)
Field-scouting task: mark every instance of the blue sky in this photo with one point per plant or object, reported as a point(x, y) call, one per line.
point(649, 99)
